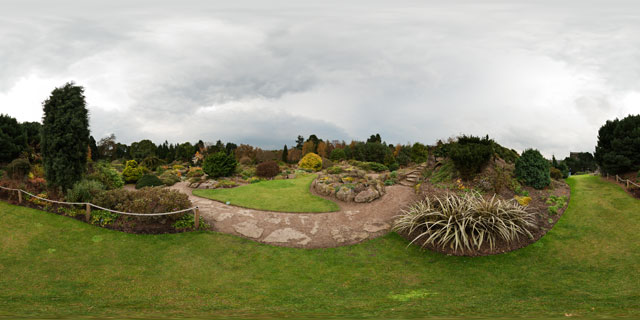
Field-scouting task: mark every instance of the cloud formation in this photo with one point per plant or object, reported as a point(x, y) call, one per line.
point(544, 75)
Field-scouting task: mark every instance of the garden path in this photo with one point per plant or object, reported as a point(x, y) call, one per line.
point(354, 223)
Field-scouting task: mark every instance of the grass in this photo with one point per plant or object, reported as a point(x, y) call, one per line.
point(291, 195)
point(587, 265)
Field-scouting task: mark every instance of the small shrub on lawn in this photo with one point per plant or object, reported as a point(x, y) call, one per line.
point(169, 178)
point(84, 191)
point(132, 172)
point(335, 170)
point(470, 154)
point(311, 161)
point(18, 168)
point(219, 165)
point(533, 169)
point(268, 169)
point(149, 180)
point(555, 173)
point(465, 222)
point(188, 221)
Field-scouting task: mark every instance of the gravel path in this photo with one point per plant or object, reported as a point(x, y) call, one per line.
point(354, 223)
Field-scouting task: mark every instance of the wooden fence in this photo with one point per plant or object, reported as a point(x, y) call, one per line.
point(627, 181)
point(88, 206)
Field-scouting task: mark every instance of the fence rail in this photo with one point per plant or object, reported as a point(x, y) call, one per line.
point(627, 181)
point(88, 205)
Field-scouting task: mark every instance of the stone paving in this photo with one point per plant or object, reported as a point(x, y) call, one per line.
point(354, 223)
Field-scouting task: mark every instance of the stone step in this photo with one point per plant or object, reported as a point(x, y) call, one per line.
point(407, 184)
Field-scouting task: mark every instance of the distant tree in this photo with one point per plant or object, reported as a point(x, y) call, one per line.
point(308, 147)
point(285, 154)
point(419, 153)
point(107, 147)
point(299, 142)
point(230, 147)
point(322, 149)
point(185, 152)
point(219, 164)
point(33, 132)
point(375, 138)
point(12, 138)
point(93, 149)
point(618, 148)
point(294, 155)
point(65, 136)
point(313, 138)
point(143, 149)
point(554, 162)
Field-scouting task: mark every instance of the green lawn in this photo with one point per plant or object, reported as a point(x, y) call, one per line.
point(588, 265)
point(275, 195)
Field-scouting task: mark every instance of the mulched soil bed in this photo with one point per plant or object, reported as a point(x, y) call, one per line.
point(545, 221)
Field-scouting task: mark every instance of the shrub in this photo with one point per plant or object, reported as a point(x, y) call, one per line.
point(18, 168)
point(169, 178)
point(188, 222)
point(245, 160)
point(106, 175)
point(253, 180)
point(533, 169)
point(219, 165)
point(103, 218)
point(151, 162)
point(522, 200)
point(618, 148)
point(377, 167)
point(470, 154)
point(84, 191)
point(148, 180)
point(419, 153)
point(326, 163)
point(227, 184)
point(465, 222)
point(335, 170)
point(195, 172)
point(268, 169)
point(555, 173)
point(338, 155)
point(394, 166)
point(132, 173)
point(311, 161)
point(147, 200)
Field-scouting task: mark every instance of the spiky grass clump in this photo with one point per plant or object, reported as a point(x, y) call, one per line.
point(465, 222)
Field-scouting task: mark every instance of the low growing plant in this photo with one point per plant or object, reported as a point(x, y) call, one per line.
point(84, 191)
point(103, 218)
point(465, 222)
point(148, 180)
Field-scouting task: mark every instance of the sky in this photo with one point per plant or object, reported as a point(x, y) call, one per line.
point(530, 74)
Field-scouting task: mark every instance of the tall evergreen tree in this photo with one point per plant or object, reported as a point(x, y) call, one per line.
point(285, 154)
point(65, 135)
point(12, 138)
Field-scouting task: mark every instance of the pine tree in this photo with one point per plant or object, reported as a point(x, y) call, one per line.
point(285, 154)
point(65, 136)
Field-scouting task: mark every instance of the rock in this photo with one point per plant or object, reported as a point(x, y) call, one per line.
point(248, 229)
point(207, 185)
point(286, 235)
point(194, 185)
point(345, 194)
point(375, 226)
point(379, 186)
point(367, 196)
point(291, 176)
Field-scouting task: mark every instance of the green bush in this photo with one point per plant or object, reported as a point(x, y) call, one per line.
point(148, 180)
point(103, 218)
point(151, 162)
point(311, 161)
point(377, 167)
point(268, 169)
point(394, 166)
point(169, 178)
point(219, 165)
point(107, 175)
point(555, 173)
point(465, 222)
point(555, 204)
point(470, 154)
point(338, 155)
point(335, 170)
point(132, 172)
point(533, 169)
point(84, 191)
point(188, 221)
point(419, 153)
point(18, 168)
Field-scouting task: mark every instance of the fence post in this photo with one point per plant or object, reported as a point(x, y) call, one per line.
point(87, 215)
point(627, 183)
point(19, 196)
point(196, 215)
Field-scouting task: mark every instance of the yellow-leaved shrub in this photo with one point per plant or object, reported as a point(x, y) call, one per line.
point(311, 161)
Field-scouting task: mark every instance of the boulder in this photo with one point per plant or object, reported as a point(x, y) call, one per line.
point(367, 196)
point(207, 185)
point(379, 186)
point(345, 194)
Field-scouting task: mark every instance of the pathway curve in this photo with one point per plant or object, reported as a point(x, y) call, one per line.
point(354, 223)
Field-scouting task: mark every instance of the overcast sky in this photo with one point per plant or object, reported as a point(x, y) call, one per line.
point(544, 75)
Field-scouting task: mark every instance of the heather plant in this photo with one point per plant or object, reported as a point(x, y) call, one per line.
point(533, 169)
point(268, 169)
point(465, 222)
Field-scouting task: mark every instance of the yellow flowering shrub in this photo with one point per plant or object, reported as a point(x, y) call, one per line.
point(311, 161)
point(523, 201)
